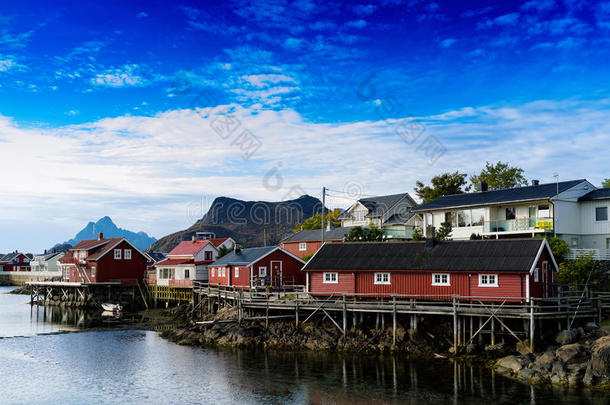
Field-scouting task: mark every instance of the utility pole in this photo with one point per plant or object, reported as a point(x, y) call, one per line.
point(555, 206)
point(323, 209)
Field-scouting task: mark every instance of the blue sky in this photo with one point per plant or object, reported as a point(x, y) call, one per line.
point(108, 108)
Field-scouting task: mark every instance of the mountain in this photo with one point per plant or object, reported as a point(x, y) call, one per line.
point(105, 225)
point(247, 222)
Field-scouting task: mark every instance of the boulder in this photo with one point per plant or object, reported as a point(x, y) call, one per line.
point(598, 369)
point(591, 327)
point(573, 353)
point(566, 337)
point(523, 347)
point(544, 362)
point(513, 363)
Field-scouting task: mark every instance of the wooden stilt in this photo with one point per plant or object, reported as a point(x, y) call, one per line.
point(267, 311)
point(377, 321)
point(394, 320)
point(493, 330)
point(296, 311)
point(532, 326)
point(344, 315)
point(471, 328)
point(455, 332)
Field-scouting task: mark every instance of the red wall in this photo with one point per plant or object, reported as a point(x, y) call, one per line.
point(291, 267)
point(537, 289)
point(243, 280)
point(418, 283)
point(312, 247)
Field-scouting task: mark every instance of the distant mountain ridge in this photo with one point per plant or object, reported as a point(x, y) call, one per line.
point(105, 225)
point(247, 222)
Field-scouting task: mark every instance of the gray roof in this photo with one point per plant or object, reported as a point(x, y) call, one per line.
point(399, 218)
point(9, 256)
point(316, 235)
point(528, 193)
point(47, 256)
point(379, 205)
point(244, 256)
point(599, 194)
point(502, 255)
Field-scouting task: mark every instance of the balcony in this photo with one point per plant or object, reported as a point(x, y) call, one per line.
point(597, 254)
point(519, 225)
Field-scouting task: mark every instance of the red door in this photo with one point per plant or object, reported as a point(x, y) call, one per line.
point(276, 273)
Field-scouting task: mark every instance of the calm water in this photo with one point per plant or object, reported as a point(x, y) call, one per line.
point(120, 367)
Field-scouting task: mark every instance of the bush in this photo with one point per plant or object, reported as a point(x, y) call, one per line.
point(307, 257)
point(417, 235)
point(560, 248)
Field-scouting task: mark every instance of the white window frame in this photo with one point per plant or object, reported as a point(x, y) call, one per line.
point(262, 268)
point(213, 272)
point(224, 272)
point(117, 254)
point(330, 278)
point(236, 271)
point(380, 278)
point(127, 254)
point(92, 271)
point(536, 275)
point(441, 282)
point(302, 246)
point(486, 278)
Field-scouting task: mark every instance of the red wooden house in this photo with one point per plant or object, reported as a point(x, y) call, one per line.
point(15, 261)
point(104, 260)
point(512, 269)
point(305, 243)
point(262, 266)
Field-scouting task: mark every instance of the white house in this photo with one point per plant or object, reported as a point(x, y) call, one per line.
point(573, 210)
point(47, 263)
point(189, 261)
point(392, 213)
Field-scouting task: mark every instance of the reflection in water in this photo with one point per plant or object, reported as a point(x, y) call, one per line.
point(122, 366)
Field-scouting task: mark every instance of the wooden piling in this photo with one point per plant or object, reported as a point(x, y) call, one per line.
point(532, 326)
point(394, 320)
point(344, 315)
point(455, 321)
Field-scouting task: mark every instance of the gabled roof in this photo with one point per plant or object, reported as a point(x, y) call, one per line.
point(502, 255)
point(10, 256)
point(109, 244)
point(379, 205)
point(157, 256)
point(599, 194)
point(89, 244)
point(399, 218)
point(189, 248)
point(174, 262)
point(218, 241)
point(244, 256)
point(527, 193)
point(45, 257)
point(316, 235)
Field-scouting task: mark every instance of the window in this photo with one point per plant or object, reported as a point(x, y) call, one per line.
point(465, 218)
point(224, 271)
point(488, 280)
point(536, 276)
point(544, 211)
point(127, 254)
point(213, 272)
point(208, 256)
point(608, 243)
point(382, 278)
point(358, 216)
point(330, 278)
point(303, 246)
point(236, 272)
point(510, 213)
point(187, 274)
point(117, 254)
point(440, 279)
point(450, 217)
point(82, 254)
point(478, 216)
point(92, 271)
point(601, 213)
point(262, 272)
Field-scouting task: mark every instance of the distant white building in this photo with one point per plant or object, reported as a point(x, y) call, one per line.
point(47, 263)
point(574, 210)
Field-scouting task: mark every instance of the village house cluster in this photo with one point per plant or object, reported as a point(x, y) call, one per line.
point(506, 258)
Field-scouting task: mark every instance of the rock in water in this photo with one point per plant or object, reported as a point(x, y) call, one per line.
point(598, 369)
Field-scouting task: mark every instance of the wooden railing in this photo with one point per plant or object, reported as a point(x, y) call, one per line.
point(597, 254)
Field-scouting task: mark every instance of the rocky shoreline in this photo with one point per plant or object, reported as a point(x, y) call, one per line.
point(581, 359)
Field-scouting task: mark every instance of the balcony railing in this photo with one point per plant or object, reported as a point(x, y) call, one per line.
point(598, 254)
point(519, 225)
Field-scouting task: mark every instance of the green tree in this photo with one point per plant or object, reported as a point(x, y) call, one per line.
point(444, 232)
point(307, 257)
point(315, 221)
point(359, 234)
point(417, 234)
point(441, 185)
point(500, 175)
point(560, 248)
point(606, 183)
point(223, 251)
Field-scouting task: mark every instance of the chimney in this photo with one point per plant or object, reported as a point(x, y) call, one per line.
point(430, 237)
point(45, 251)
point(535, 182)
point(481, 187)
point(330, 225)
point(193, 238)
point(100, 236)
point(236, 248)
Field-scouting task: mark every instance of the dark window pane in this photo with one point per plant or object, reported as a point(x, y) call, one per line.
point(510, 213)
point(601, 213)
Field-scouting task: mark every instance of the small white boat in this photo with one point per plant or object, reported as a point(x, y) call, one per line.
point(111, 307)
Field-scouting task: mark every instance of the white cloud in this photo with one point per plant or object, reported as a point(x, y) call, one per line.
point(119, 77)
point(356, 24)
point(266, 79)
point(146, 171)
point(446, 43)
point(9, 62)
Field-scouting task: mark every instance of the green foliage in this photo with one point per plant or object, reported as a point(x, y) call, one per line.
point(444, 232)
point(606, 183)
point(315, 222)
point(577, 272)
point(443, 184)
point(560, 248)
point(307, 257)
point(417, 234)
point(223, 251)
point(475, 236)
point(359, 234)
point(500, 175)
